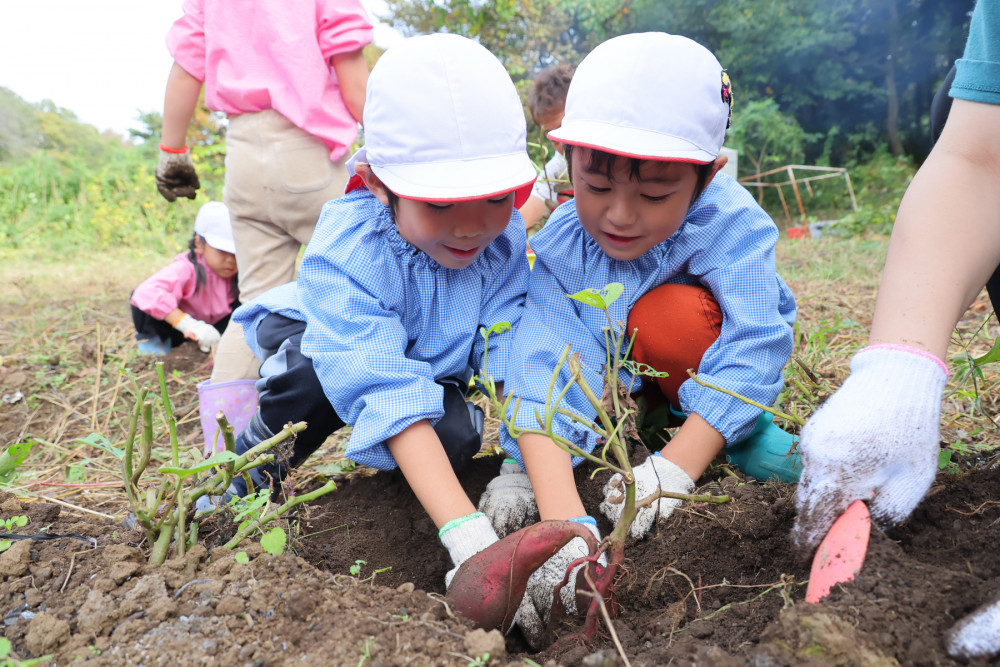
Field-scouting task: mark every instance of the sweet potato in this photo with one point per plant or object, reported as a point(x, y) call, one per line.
point(489, 586)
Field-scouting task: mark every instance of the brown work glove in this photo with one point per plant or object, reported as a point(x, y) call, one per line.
point(175, 175)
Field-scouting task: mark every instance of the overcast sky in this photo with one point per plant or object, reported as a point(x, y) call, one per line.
point(105, 60)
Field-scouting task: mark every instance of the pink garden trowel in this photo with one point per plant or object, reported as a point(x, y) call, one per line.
point(841, 552)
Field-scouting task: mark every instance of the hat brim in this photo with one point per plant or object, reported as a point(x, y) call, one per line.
point(630, 142)
point(220, 243)
point(461, 180)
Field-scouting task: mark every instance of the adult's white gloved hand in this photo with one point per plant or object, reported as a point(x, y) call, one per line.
point(655, 474)
point(533, 614)
point(205, 334)
point(977, 635)
point(877, 438)
point(464, 537)
point(176, 175)
point(508, 500)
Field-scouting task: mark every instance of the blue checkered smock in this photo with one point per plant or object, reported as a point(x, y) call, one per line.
point(726, 244)
point(385, 321)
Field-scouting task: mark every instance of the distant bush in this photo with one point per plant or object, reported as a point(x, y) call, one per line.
point(60, 203)
point(879, 186)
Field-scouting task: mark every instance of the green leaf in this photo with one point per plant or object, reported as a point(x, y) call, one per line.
point(242, 557)
point(499, 327)
point(273, 541)
point(944, 458)
point(599, 298)
point(5, 647)
point(217, 459)
point(13, 457)
point(989, 357)
point(636, 368)
point(249, 506)
point(102, 443)
point(5, 544)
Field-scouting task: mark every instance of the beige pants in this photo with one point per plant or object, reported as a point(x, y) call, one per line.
point(277, 179)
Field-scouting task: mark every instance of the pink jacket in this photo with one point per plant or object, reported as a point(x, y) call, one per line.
point(174, 287)
point(274, 54)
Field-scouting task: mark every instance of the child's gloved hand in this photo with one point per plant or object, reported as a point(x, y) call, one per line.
point(508, 500)
point(464, 538)
point(977, 635)
point(876, 438)
point(655, 474)
point(205, 334)
point(176, 176)
point(536, 605)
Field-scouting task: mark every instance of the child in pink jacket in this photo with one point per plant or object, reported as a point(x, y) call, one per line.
point(192, 297)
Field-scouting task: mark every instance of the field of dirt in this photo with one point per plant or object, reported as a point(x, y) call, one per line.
point(363, 585)
point(713, 586)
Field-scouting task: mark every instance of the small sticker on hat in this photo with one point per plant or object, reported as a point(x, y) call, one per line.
point(727, 96)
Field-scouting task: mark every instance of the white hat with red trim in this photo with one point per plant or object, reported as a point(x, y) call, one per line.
point(649, 95)
point(212, 224)
point(443, 122)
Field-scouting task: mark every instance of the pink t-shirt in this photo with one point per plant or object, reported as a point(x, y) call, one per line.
point(274, 54)
point(174, 287)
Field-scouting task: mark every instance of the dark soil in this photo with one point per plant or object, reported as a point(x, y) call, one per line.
point(715, 585)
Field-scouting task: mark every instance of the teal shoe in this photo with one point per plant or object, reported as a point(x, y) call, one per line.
point(153, 346)
point(764, 453)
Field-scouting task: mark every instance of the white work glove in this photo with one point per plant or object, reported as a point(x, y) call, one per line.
point(205, 334)
point(176, 176)
point(533, 614)
point(977, 635)
point(508, 500)
point(464, 538)
point(654, 475)
point(876, 439)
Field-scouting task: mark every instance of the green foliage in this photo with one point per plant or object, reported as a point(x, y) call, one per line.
point(65, 188)
point(8, 526)
point(12, 458)
point(355, 570)
point(879, 185)
point(598, 298)
point(273, 541)
point(767, 138)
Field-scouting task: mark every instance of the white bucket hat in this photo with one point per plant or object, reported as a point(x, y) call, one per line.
point(649, 95)
point(212, 223)
point(443, 122)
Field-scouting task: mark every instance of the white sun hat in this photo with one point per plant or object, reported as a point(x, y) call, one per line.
point(443, 122)
point(212, 223)
point(649, 95)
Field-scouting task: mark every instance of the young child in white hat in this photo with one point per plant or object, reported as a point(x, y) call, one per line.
point(381, 329)
point(193, 297)
point(646, 115)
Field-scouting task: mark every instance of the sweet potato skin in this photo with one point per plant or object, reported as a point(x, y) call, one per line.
point(489, 586)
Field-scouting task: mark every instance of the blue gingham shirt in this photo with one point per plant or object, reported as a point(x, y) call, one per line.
point(726, 244)
point(384, 321)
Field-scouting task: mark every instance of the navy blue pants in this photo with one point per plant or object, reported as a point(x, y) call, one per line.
point(294, 394)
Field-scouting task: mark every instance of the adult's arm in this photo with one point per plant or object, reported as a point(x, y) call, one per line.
point(878, 437)
point(946, 240)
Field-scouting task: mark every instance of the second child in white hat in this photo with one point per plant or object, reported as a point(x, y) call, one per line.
point(646, 115)
point(381, 329)
point(193, 297)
